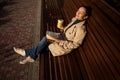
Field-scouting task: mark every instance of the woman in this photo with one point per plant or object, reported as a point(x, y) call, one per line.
point(62, 43)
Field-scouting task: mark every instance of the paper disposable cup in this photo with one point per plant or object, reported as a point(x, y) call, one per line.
point(60, 23)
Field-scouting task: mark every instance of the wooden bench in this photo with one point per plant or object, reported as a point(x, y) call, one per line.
point(98, 58)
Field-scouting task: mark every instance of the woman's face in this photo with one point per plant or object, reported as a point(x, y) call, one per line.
point(81, 13)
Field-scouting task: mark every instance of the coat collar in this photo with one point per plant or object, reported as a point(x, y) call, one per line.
point(73, 20)
point(78, 24)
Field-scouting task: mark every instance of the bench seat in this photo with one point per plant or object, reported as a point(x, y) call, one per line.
point(99, 56)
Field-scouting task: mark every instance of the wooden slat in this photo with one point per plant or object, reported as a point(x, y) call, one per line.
point(106, 49)
point(98, 58)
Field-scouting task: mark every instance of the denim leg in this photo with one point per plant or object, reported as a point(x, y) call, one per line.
point(34, 52)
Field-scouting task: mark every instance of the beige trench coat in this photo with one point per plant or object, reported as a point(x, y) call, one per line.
point(75, 35)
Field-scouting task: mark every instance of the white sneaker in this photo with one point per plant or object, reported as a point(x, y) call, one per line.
point(19, 51)
point(28, 59)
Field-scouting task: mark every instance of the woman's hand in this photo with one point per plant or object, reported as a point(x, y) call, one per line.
point(61, 28)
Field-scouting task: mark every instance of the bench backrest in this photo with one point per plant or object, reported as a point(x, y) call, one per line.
point(99, 57)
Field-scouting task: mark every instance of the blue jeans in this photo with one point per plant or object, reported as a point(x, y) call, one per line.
point(42, 46)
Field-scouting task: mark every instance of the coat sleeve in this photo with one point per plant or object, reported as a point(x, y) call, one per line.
point(80, 35)
point(78, 39)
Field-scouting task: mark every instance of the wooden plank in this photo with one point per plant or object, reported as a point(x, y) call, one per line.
point(97, 59)
point(80, 63)
point(99, 52)
point(94, 65)
point(86, 64)
point(107, 50)
point(110, 12)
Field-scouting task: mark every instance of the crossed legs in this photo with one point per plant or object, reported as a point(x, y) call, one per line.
point(32, 53)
